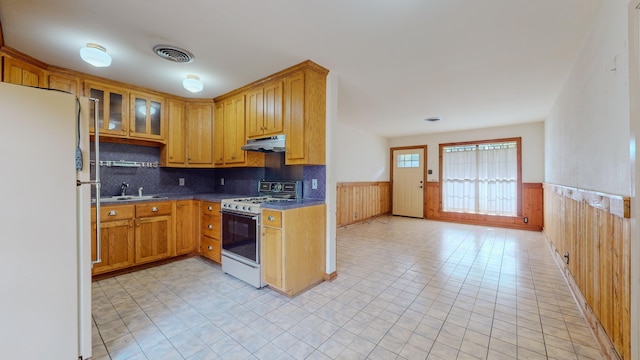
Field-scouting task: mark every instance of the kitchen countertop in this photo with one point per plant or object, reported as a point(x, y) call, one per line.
point(215, 197)
point(286, 205)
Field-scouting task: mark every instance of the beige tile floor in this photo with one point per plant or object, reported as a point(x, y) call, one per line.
point(406, 289)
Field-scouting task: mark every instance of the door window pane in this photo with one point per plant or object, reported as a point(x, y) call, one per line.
point(408, 160)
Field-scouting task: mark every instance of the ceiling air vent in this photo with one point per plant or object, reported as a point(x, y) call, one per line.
point(173, 53)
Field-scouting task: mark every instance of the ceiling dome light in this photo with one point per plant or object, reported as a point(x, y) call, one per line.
point(95, 55)
point(193, 83)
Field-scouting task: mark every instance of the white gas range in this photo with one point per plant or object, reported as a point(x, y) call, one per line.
point(241, 219)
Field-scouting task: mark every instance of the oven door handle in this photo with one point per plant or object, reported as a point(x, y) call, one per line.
point(246, 216)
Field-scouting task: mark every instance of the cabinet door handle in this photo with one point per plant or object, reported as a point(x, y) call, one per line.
point(210, 208)
point(270, 218)
point(210, 247)
point(210, 226)
point(154, 209)
point(113, 213)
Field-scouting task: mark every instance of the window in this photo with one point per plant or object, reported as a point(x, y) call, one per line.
point(409, 160)
point(481, 177)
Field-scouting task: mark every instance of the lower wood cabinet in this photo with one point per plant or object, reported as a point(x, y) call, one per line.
point(132, 235)
point(293, 248)
point(153, 235)
point(116, 238)
point(210, 229)
point(187, 222)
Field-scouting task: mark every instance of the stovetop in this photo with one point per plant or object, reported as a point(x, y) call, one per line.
point(270, 191)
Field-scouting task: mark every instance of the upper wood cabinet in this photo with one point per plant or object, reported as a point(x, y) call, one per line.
point(229, 135)
point(233, 130)
point(255, 113)
point(64, 83)
point(218, 135)
point(273, 120)
point(22, 73)
point(113, 108)
point(174, 153)
point(291, 102)
point(190, 134)
point(264, 110)
point(146, 116)
point(199, 136)
point(304, 117)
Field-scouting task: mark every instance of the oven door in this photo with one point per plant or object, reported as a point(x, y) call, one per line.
point(241, 236)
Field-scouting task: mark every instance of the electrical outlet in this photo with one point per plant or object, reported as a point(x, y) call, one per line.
point(526, 220)
point(221, 181)
point(181, 181)
point(314, 184)
point(355, 215)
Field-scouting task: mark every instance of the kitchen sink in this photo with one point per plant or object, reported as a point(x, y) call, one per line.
point(130, 198)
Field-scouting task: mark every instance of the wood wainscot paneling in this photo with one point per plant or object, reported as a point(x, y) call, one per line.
point(532, 210)
point(593, 230)
point(359, 201)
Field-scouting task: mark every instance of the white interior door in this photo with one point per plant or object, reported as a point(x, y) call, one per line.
point(408, 182)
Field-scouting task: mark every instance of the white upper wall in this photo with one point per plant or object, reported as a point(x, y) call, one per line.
point(532, 135)
point(359, 155)
point(588, 129)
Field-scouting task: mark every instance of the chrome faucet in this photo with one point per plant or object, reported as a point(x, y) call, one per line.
point(140, 191)
point(123, 189)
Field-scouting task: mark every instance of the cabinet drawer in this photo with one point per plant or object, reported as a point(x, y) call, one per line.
point(272, 218)
point(153, 209)
point(210, 208)
point(109, 213)
point(211, 226)
point(210, 248)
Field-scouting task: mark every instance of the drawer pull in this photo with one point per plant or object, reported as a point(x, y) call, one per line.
point(113, 213)
point(210, 226)
point(210, 247)
point(210, 208)
point(154, 209)
point(270, 218)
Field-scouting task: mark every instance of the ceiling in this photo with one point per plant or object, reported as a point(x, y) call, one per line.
point(474, 63)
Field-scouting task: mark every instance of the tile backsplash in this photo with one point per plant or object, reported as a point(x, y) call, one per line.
point(153, 180)
point(159, 180)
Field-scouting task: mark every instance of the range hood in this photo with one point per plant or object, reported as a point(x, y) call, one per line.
point(268, 144)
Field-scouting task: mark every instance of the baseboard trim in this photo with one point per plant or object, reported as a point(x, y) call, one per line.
point(331, 277)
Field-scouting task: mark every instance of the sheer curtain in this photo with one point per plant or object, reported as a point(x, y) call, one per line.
point(480, 179)
point(459, 175)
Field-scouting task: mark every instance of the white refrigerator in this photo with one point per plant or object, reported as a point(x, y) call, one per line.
point(45, 224)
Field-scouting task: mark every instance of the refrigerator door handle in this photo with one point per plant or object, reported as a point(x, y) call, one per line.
point(96, 141)
point(96, 181)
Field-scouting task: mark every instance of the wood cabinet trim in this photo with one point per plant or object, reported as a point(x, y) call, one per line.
point(15, 54)
point(307, 64)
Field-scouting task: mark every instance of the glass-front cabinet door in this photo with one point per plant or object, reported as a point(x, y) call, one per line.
point(146, 116)
point(112, 108)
